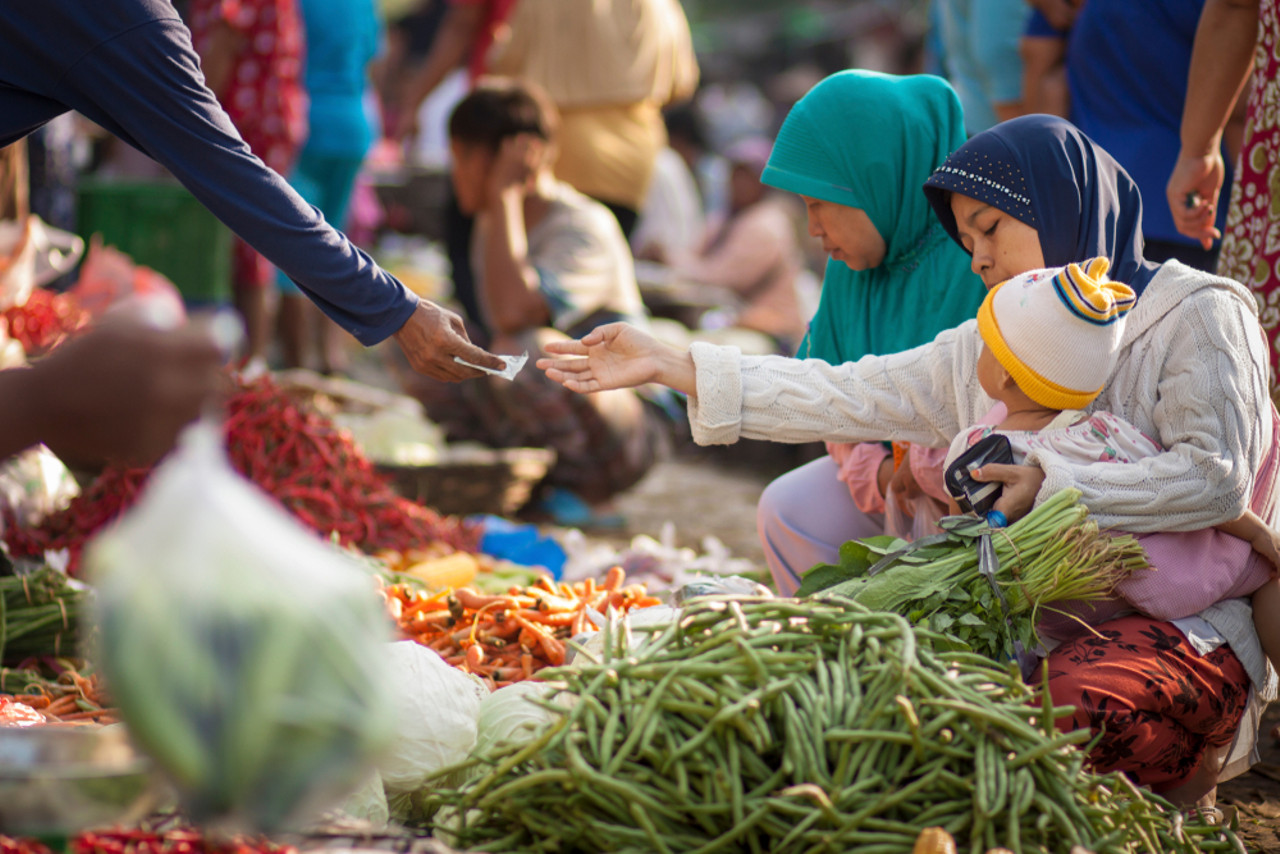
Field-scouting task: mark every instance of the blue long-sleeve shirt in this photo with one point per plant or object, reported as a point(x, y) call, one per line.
point(129, 66)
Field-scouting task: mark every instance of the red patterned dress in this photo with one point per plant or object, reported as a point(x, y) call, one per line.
point(1251, 238)
point(264, 96)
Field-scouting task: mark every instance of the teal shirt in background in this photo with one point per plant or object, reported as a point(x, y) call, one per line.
point(979, 41)
point(869, 140)
point(343, 37)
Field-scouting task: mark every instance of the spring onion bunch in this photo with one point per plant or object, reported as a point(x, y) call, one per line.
point(1054, 554)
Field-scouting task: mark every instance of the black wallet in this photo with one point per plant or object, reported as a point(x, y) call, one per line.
point(975, 496)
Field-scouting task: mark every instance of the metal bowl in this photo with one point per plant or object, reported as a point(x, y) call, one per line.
point(57, 780)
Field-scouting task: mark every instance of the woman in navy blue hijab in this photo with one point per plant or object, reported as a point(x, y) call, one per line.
point(1046, 173)
point(1039, 183)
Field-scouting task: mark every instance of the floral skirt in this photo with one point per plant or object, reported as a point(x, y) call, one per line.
point(1158, 704)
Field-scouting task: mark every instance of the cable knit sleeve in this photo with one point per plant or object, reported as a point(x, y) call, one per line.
point(1196, 380)
point(923, 395)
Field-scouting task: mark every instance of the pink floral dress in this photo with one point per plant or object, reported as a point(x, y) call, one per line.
point(264, 97)
point(1251, 238)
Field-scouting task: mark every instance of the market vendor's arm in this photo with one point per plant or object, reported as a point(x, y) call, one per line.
point(449, 49)
point(923, 395)
point(119, 392)
point(144, 85)
point(218, 60)
point(1220, 64)
point(513, 300)
point(1211, 412)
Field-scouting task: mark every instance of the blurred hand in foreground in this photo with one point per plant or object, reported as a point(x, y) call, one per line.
point(618, 355)
point(120, 392)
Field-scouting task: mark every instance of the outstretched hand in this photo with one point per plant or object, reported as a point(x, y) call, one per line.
point(617, 355)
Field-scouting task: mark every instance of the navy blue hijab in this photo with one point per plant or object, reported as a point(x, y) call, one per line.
point(1045, 172)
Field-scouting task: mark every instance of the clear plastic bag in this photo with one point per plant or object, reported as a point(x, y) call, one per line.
point(919, 520)
point(247, 656)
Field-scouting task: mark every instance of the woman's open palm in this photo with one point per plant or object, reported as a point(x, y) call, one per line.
point(616, 355)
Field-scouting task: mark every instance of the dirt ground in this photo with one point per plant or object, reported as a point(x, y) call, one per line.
point(715, 492)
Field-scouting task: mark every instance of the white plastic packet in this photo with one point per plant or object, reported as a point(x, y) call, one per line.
point(247, 656)
point(512, 366)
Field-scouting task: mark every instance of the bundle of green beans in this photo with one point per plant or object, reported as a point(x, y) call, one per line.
point(779, 725)
point(1055, 553)
point(39, 615)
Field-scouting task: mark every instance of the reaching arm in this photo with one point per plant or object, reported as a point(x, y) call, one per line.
point(923, 395)
point(512, 299)
point(1220, 64)
point(449, 50)
point(219, 56)
point(145, 86)
point(1044, 75)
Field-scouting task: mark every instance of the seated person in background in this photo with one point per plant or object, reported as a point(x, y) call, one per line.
point(754, 252)
point(549, 263)
point(671, 220)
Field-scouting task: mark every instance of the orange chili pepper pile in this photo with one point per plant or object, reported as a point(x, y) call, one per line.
point(508, 637)
point(293, 453)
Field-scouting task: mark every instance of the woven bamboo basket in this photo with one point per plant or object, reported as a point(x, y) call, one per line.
point(498, 481)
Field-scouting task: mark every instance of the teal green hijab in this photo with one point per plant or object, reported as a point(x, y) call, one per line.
point(868, 140)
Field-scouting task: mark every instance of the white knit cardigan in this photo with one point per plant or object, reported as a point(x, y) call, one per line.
point(1192, 373)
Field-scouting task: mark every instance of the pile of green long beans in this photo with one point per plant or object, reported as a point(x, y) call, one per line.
point(778, 725)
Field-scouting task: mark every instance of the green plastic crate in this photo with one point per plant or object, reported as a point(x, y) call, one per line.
point(162, 226)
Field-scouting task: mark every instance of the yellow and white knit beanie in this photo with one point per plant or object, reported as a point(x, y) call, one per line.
point(1057, 332)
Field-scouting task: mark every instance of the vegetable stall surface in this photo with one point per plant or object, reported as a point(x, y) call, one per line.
point(509, 637)
point(293, 453)
point(1054, 554)
point(777, 725)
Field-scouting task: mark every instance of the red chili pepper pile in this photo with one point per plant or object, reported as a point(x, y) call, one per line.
point(316, 471)
point(110, 494)
point(294, 454)
point(169, 842)
point(9, 845)
point(44, 321)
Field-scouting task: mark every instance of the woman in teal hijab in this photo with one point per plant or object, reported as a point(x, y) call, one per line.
point(858, 149)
